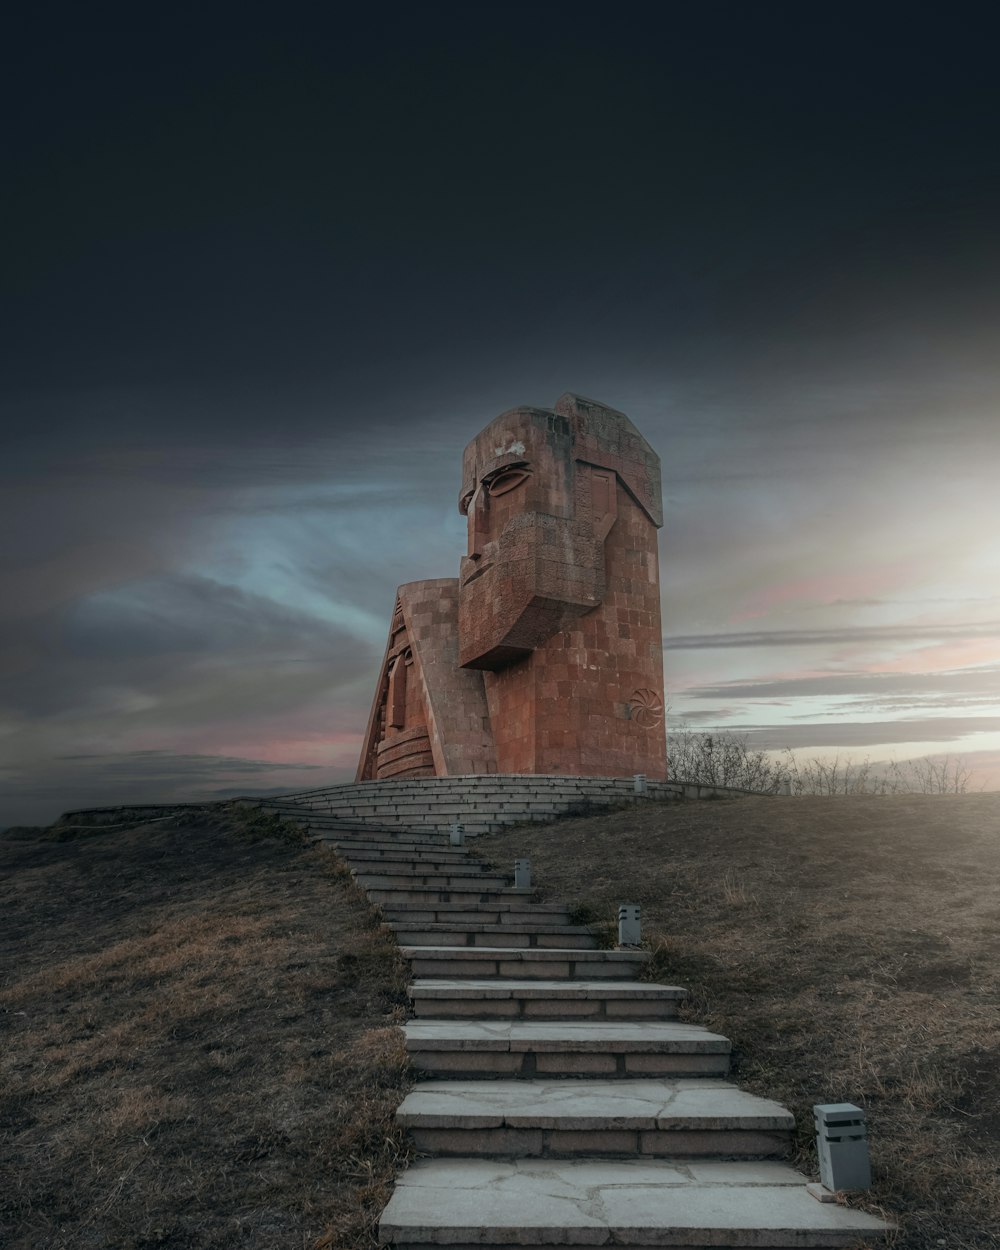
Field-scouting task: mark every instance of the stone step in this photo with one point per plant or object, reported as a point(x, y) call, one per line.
point(365, 852)
point(460, 878)
point(491, 913)
point(504, 998)
point(663, 1118)
point(524, 964)
point(535, 934)
point(348, 828)
point(575, 1203)
point(609, 1048)
point(391, 831)
point(418, 866)
point(435, 894)
point(404, 840)
point(410, 846)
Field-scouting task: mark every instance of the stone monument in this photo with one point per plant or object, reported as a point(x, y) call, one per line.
point(544, 655)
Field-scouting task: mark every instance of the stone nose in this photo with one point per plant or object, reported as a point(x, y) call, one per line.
point(479, 522)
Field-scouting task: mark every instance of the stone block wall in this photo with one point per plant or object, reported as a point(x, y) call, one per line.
point(482, 804)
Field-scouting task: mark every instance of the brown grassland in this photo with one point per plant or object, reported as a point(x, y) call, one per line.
point(197, 1015)
point(850, 948)
point(197, 1040)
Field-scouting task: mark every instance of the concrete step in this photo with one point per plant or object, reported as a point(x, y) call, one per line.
point(455, 878)
point(443, 999)
point(576, 1203)
point(491, 913)
point(355, 828)
point(522, 964)
point(417, 865)
point(662, 1118)
point(413, 853)
point(609, 1048)
point(459, 878)
point(408, 845)
point(535, 934)
point(364, 851)
point(404, 840)
point(389, 839)
point(436, 894)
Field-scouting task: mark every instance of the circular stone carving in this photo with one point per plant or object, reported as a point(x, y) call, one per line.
point(647, 708)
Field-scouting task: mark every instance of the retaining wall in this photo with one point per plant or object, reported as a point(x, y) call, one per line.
point(482, 804)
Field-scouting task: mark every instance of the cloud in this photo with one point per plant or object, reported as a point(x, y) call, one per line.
point(181, 645)
point(44, 788)
point(836, 636)
point(972, 683)
point(865, 733)
point(708, 715)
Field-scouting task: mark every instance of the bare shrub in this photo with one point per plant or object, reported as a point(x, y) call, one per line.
point(722, 759)
point(943, 775)
point(725, 759)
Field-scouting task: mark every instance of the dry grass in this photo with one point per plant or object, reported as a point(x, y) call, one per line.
point(850, 947)
point(198, 1014)
point(199, 1046)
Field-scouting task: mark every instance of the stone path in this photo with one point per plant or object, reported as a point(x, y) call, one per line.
point(563, 1103)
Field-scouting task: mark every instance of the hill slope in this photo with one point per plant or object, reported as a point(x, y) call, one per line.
point(850, 947)
point(199, 1049)
point(198, 1043)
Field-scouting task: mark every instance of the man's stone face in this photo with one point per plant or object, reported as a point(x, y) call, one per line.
point(532, 564)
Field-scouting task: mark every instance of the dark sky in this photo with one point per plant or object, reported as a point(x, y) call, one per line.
point(311, 196)
point(261, 256)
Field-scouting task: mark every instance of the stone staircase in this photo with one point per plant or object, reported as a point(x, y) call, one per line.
point(483, 803)
point(562, 1102)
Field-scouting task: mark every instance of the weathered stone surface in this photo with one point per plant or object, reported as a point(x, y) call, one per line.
point(565, 1048)
point(625, 1202)
point(534, 934)
point(523, 964)
point(420, 812)
point(617, 1037)
point(702, 1103)
point(544, 656)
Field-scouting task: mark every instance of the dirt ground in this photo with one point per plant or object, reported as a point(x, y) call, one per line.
point(197, 1041)
point(850, 947)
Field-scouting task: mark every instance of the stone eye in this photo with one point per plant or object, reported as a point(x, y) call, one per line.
point(508, 479)
point(463, 503)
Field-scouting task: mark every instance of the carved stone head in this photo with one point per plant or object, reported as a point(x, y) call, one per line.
point(539, 488)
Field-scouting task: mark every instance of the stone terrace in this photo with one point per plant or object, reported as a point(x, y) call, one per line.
point(482, 803)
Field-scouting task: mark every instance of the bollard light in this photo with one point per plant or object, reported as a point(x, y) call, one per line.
point(522, 874)
point(639, 783)
point(842, 1142)
point(629, 926)
point(457, 834)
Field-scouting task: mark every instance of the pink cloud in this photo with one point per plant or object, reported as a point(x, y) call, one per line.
point(938, 657)
point(824, 588)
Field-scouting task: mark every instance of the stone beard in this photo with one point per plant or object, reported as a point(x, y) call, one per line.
point(544, 656)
